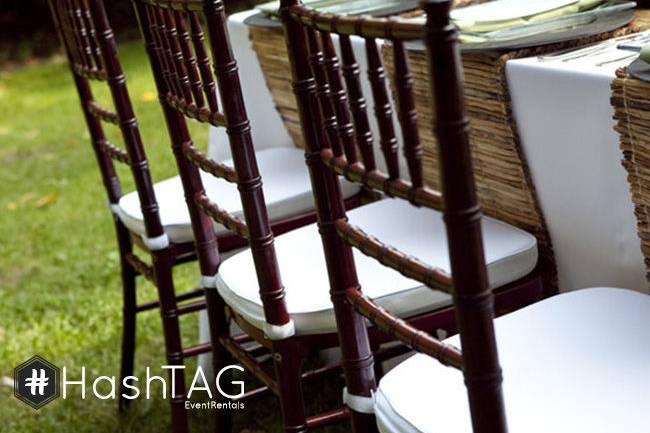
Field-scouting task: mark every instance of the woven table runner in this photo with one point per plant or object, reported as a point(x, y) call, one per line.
point(631, 103)
point(271, 51)
point(505, 188)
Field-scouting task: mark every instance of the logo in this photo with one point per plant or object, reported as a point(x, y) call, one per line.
point(36, 382)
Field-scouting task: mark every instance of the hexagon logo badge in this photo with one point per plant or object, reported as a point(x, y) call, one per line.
point(36, 382)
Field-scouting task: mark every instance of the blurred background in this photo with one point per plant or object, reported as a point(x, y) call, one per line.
point(27, 35)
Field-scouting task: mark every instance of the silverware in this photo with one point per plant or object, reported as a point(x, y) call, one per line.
point(594, 49)
point(618, 59)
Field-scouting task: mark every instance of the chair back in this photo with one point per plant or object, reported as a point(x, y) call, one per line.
point(191, 84)
point(90, 47)
point(334, 117)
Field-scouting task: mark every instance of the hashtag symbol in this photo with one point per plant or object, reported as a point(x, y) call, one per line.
point(37, 381)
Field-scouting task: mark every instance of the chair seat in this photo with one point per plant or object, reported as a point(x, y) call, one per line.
point(577, 362)
point(511, 254)
point(287, 190)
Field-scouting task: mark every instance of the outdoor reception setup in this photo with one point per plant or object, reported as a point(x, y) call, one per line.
point(323, 215)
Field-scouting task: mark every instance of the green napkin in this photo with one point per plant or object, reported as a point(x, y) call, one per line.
point(478, 26)
point(645, 53)
point(550, 23)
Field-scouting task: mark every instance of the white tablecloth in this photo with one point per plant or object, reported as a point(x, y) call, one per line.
point(565, 122)
point(267, 128)
point(566, 127)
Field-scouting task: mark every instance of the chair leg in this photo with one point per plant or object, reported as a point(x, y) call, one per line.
point(378, 367)
point(287, 360)
point(128, 330)
point(219, 326)
point(128, 310)
point(162, 265)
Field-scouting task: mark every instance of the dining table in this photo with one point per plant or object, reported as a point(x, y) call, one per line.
point(564, 119)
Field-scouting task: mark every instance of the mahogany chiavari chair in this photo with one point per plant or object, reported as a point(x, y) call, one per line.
point(90, 46)
point(155, 217)
point(294, 319)
point(339, 143)
point(183, 70)
point(549, 348)
point(289, 322)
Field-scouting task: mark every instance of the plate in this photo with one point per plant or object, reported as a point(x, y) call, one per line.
point(602, 24)
point(263, 20)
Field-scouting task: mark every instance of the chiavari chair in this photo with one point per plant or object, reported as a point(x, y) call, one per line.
point(292, 317)
point(553, 352)
point(289, 324)
point(174, 39)
point(92, 54)
point(155, 217)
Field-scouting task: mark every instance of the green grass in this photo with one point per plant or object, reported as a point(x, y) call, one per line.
point(60, 293)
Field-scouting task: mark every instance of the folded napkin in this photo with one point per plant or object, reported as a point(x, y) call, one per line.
point(503, 14)
point(582, 13)
point(645, 53)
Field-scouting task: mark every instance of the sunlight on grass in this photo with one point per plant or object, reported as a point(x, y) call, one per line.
point(59, 270)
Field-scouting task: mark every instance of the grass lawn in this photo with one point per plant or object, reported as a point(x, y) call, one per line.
point(60, 293)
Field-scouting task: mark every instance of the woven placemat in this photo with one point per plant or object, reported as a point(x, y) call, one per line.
point(631, 102)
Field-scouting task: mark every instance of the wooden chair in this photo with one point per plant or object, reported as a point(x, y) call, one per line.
point(155, 217)
point(545, 346)
point(293, 319)
point(90, 47)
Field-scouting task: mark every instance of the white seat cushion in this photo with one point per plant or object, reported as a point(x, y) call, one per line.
point(511, 254)
point(287, 190)
point(577, 362)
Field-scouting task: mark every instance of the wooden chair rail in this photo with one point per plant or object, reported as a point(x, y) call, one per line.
point(417, 340)
point(209, 165)
point(192, 294)
point(185, 64)
point(78, 30)
point(102, 113)
point(393, 258)
point(180, 5)
point(379, 181)
point(344, 119)
point(90, 73)
point(140, 267)
point(364, 26)
point(226, 219)
point(197, 349)
point(191, 110)
point(192, 307)
point(328, 418)
point(249, 362)
point(114, 152)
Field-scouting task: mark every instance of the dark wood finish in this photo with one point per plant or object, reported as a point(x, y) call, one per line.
point(383, 108)
point(355, 345)
point(329, 116)
point(472, 296)
point(169, 63)
point(90, 45)
point(357, 102)
point(177, 42)
point(339, 98)
point(473, 300)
